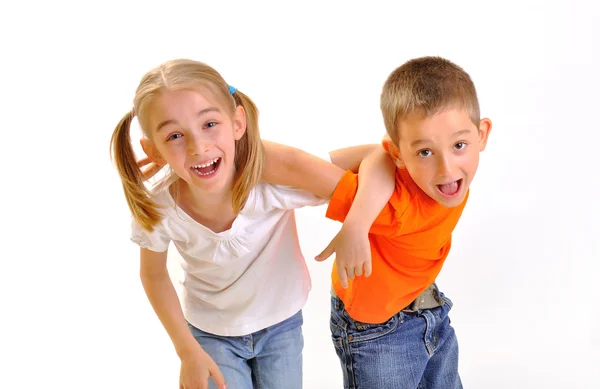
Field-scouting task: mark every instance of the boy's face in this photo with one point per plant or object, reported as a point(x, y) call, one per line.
point(441, 153)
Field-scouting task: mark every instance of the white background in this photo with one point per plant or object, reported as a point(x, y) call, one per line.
point(524, 266)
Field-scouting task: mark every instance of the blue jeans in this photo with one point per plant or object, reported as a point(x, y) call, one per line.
point(267, 359)
point(410, 351)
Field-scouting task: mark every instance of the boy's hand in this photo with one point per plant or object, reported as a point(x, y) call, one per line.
point(149, 171)
point(352, 251)
point(197, 369)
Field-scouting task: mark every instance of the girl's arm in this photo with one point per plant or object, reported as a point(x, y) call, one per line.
point(290, 166)
point(376, 183)
point(286, 165)
point(196, 364)
point(376, 178)
point(350, 158)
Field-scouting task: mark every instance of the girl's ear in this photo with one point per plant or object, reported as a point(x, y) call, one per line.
point(239, 122)
point(151, 152)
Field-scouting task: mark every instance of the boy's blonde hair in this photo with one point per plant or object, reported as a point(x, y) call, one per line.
point(426, 86)
point(176, 75)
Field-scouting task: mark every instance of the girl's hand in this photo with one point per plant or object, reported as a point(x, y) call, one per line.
point(352, 253)
point(196, 370)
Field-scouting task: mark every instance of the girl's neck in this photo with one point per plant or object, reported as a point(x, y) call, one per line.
point(213, 210)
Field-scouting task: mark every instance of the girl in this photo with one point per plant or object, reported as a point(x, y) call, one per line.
point(245, 279)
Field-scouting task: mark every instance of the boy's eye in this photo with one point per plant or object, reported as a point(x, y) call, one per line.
point(174, 136)
point(460, 145)
point(424, 153)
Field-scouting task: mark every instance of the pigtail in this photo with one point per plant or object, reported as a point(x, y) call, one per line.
point(249, 156)
point(143, 209)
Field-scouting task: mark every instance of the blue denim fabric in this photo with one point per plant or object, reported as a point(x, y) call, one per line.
point(410, 351)
point(267, 359)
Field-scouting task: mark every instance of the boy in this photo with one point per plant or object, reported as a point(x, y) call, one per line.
point(391, 329)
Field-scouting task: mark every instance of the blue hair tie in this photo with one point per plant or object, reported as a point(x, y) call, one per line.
point(232, 89)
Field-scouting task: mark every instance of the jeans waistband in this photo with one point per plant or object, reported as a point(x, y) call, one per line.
point(428, 299)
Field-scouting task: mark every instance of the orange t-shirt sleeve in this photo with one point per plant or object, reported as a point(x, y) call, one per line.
point(341, 201)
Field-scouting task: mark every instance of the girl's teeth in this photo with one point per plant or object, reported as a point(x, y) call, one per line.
point(207, 164)
point(198, 168)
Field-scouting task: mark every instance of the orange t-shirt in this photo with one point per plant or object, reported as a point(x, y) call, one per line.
point(410, 240)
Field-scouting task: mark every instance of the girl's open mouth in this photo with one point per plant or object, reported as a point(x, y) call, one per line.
point(207, 169)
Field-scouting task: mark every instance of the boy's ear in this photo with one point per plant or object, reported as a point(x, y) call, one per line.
point(151, 152)
point(392, 150)
point(485, 126)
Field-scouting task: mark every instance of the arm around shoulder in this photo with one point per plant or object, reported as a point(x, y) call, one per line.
point(286, 165)
point(371, 194)
point(376, 184)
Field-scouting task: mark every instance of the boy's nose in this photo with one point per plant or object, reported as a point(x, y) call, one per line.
point(445, 167)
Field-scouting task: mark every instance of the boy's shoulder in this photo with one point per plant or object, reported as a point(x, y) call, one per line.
point(406, 193)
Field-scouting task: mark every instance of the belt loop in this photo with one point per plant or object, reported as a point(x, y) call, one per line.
point(428, 299)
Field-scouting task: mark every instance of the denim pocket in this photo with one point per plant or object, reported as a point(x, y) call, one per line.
point(360, 332)
point(343, 326)
point(338, 313)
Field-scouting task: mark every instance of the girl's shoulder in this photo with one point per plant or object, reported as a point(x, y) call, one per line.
point(266, 196)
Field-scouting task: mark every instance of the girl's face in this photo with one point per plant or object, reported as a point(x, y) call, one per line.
point(196, 136)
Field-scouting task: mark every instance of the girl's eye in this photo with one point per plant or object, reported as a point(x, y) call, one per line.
point(460, 145)
point(424, 153)
point(174, 136)
point(210, 124)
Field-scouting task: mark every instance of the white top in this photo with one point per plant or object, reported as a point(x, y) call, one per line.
point(244, 279)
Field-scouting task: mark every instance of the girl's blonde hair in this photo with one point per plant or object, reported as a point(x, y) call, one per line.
point(176, 75)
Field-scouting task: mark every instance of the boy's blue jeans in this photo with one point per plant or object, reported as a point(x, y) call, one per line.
point(266, 359)
point(410, 351)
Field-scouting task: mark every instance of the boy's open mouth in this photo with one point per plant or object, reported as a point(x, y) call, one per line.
point(450, 189)
point(206, 169)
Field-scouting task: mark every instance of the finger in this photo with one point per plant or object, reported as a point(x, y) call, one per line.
point(144, 161)
point(368, 268)
point(218, 377)
point(357, 270)
point(342, 276)
point(151, 171)
point(329, 250)
point(350, 273)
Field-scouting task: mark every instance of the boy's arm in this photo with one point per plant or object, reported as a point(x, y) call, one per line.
point(352, 247)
